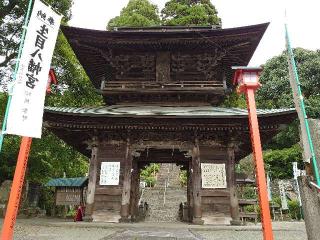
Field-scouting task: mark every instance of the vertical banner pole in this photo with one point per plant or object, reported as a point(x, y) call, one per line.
point(4, 125)
point(260, 172)
point(16, 189)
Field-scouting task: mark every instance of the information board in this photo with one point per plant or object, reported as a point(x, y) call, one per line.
point(109, 173)
point(213, 175)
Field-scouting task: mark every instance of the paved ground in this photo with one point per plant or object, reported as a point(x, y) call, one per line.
point(53, 229)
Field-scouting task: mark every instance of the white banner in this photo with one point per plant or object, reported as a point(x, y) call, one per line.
point(109, 173)
point(26, 109)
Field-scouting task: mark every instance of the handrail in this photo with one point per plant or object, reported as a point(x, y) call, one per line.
point(164, 192)
point(140, 199)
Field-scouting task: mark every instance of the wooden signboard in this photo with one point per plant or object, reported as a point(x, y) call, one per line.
point(68, 196)
point(213, 175)
point(109, 173)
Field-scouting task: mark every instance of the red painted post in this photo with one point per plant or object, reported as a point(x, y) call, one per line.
point(18, 179)
point(248, 81)
point(16, 189)
point(260, 173)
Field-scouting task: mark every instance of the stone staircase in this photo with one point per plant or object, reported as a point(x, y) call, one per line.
point(165, 197)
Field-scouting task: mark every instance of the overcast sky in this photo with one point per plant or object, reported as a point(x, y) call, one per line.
point(303, 19)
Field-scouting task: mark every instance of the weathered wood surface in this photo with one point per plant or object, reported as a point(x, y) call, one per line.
point(196, 184)
point(310, 198)
point(315, 135)
point(126, 190)
point(92, 181)
point(234, 204)
point(135, 187)
point(215, 193)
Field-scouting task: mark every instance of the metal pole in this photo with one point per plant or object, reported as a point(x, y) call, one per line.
point(16, 189)
point(260, 173)
point(24, 27)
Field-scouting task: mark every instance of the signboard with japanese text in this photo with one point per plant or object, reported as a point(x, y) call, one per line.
point(28, 95)
point(68, 196)
point(213, 175)
point(109, 173)
point(283, 196)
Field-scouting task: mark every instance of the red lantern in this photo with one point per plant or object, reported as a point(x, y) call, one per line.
point(247, 77)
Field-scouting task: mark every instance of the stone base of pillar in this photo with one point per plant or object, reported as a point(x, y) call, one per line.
point(124, 220)
point(87, 219)
point(197, 221)
point(236, 222)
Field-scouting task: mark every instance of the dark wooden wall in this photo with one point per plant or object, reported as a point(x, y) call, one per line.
point(108, 198)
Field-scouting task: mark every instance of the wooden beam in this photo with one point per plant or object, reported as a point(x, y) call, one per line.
point(92, 180)
point(196, 184)
point(126, 189)
point(163, 67)
point(234, 203)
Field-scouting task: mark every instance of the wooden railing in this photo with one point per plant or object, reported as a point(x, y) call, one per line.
point(164, 85)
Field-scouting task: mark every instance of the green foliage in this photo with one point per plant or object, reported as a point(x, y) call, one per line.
point(183, 178)
point(286, 138)
point(294, 209)
point(248, 193)
point(11, 20)
point(276, 91)
point(190, 13)
point(234, 100)
point(279, 161)
point(50, 157)
point(148, 174)
point(138, 13)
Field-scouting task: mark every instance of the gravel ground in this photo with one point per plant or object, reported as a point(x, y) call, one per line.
point(54, 229)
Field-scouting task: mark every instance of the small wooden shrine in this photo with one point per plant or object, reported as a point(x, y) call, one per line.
point(162, 87)
point(69, 191)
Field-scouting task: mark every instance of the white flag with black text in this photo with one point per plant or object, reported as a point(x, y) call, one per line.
point(27, 104)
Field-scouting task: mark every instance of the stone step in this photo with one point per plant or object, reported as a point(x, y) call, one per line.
point(106, 216)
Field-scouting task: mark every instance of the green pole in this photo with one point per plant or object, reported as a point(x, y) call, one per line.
point(24, 27)
point(305, 118)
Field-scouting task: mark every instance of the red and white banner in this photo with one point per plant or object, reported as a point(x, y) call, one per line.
point(26, 108)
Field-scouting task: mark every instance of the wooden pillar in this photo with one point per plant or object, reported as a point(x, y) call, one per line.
point(189, 193)
point(234, 203)
point(126, 187)
point(196, 184)
point(92, 181)
point(135, 185)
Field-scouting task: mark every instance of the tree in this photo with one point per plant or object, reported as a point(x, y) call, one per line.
point(138, 13)
point(50, 156)
point(12, 15)
point(276, 91)
point(190, 13)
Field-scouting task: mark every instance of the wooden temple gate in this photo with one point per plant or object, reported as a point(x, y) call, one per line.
point(162, 87)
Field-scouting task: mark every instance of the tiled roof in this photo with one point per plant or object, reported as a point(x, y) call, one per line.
point(67, 182)
point(169, 111)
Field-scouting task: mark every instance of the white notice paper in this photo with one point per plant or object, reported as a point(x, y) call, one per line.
point(109, 173)
point(26, 109)
point(213, 175)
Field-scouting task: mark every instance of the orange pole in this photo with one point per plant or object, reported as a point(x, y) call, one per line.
point(16, 189)
point(260, 173)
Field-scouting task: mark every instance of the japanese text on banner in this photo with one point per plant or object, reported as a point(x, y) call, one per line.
point(27, 104)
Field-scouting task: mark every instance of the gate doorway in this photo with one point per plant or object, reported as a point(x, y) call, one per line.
point(164, 186)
